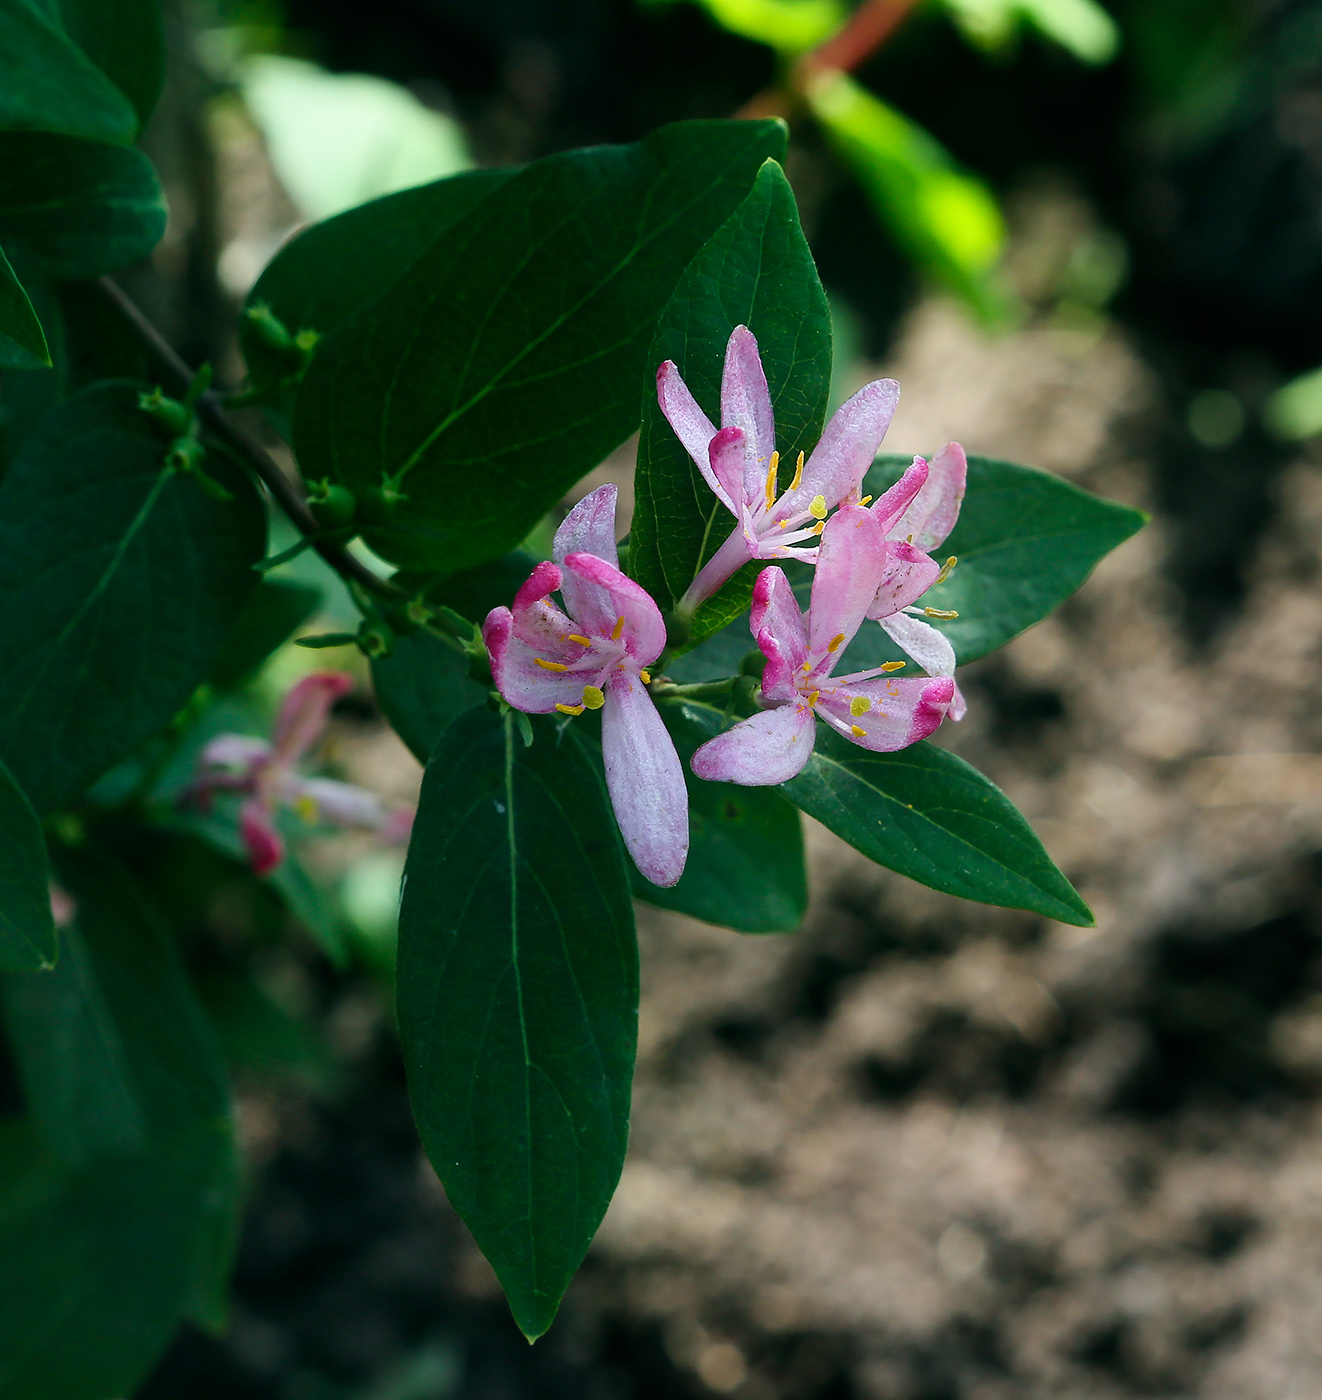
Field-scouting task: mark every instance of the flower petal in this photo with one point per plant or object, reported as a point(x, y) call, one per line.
point(538, 622)
point(769, 748)
point(692, 426)
point(932, 515)
point(891, 505)
point(726, 454)
point(523, 683)
point(233, 757)
point(928, 647)
point(776, 610)
point(266, 848)
point(338, 804)
point(850, 563)
point(609, 595)
point(908, 574)
point(732, 555)
point(845, 450)
point(305, 713)
point(746, 404)
point(899, 712)
point(590, 527)
point(645, 780)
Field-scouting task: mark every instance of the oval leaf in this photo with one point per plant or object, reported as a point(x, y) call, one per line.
point(77, 208)
point(505, 364)
point(119, 585)
point(518, 998)
point(929, 815)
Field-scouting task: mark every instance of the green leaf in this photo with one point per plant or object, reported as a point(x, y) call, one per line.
point(47, 83)
point(745, 868)
point(77, 208)
point(755, 270)
point(948, 220)
point(119, 586)
point(22, 343)
point(275, 610)
point(933, 817)
point(505, 364)
point(333, 269)
point(423, 685)
point(119, 1196)
point(27, 933)
point(790, 26)
point(126, 40)
point(518, 998)
point(1025, 541)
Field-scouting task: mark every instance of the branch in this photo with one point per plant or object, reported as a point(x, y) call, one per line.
point(213, 413)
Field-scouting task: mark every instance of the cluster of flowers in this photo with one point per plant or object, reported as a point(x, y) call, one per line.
point(871, 561)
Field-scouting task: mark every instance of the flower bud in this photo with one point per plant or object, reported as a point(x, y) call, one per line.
point(331, 505)
point(171, 418)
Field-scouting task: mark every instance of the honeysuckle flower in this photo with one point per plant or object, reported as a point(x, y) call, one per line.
point(594, 655)
point(741, 465)
point(875, 709)
point(916, 515)
point(265, 774)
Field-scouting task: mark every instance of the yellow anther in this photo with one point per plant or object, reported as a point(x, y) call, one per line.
point(807, 666)
point(947, 568)
point(866, 501)
point(834, 643)
point(550, 665)
point(818, 528)
point(946, 614)
point(812, 699)
point(593, 697)
point(817, 508)
point(581, 640)
point(858, 731)
point(306, 807)
point(859, 705)
point(617, 629)
point(893, 665)
point(771, 479)
point(645, 677)
point(570, 709)
point(798, 473)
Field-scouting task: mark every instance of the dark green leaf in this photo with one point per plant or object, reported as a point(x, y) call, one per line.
point(124, 39)
point(22, 343)
point(118, 1197)
point(936, 819)
point(119, 586)
point(335, 268)
point(77, 208)
point(745, 868)
point(47, 83)
point(506, 363)
point(274, 612)
point(755, 270)
point(518, 998)
point(1025, 541)
point(423, 684)
point(27, 934)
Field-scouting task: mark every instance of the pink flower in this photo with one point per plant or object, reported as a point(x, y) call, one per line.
point(874, 709)
point(265, 773)
point(916, 515)
point(594, 656)
point(741, 465)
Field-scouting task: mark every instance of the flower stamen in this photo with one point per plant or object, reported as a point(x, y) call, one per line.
point(946, 614)
point(893, 665)
point(580, 639)
point(617, 629)
point(858, 731)
point(569, 709)
point(798, 473)
point(771, 479)
point(947, 569)
point(834, 644)
point(550, 665)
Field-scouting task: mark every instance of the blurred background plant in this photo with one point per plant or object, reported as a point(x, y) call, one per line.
point(1151, 168)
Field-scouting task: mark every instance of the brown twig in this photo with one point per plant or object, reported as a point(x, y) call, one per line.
point(862, 34)
point(212, 411)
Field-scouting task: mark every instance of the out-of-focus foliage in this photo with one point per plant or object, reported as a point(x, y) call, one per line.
point(1081, 26)
point(790, 26)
